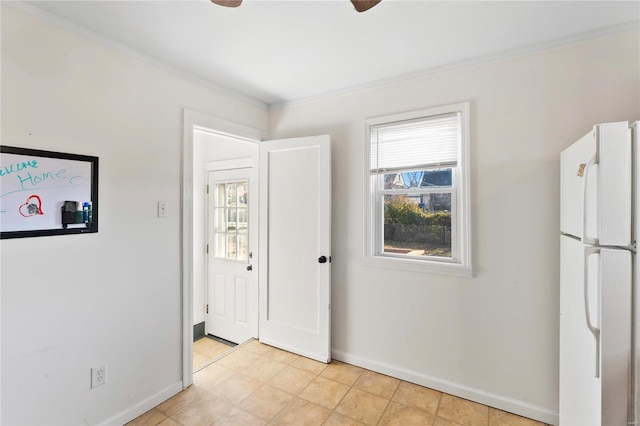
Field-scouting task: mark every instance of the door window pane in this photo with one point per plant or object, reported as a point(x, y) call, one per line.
point(243, 189)
point(231, 246)
point(219, 220)
point(243, 246)
point(231, 193)
point(221, 244)
point(232, 218)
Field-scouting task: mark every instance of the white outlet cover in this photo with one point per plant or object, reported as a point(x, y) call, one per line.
point(98, 376)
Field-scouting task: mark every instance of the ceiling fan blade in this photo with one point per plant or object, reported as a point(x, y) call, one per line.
point(363, 5)
point(227, 3)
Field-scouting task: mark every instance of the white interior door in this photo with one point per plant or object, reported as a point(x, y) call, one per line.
point(232, 291)
point(295, 245)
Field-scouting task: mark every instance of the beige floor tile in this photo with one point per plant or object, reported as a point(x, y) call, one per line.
point(198, 360)
point(336, 419)
point(398, 414)
point(378, 384)
point(502, 418)
point(217, 350)
point(309, 365)
point(263, 369)
point(258, 348)
point(266, 402)
point(169, 422)
point(463, 411)
point(236, 388)
point(292, 380)
point(210, 376)
point(238, 359)
point(150, 418)
point(257, 384)
point(325, 392)
point(341, 372)
point(209, 347)
point(181, 399)
point(300, 412)
point(362, 406)
point(238, 417)
point(201, 343)
point(417, 397)
point(439, 421)
point(204, 411)
point(281, 356)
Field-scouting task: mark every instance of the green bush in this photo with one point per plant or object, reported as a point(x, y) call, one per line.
point(401, 210)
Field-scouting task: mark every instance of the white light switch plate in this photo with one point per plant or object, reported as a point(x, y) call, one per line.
point(162, 209)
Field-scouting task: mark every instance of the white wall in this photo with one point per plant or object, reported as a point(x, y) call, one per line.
point(492, 338)
point(208, 147)
point(70, 303)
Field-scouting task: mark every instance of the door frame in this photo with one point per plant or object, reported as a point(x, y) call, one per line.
point(193, 120)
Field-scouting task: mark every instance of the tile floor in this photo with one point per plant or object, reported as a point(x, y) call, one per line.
point(260, 385)
point(205, 349)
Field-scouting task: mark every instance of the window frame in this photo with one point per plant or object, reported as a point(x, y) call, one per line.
point(460, 199)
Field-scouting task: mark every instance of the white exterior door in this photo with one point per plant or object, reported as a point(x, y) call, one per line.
point(595, 334)
point(232, 291)
point(295, 245)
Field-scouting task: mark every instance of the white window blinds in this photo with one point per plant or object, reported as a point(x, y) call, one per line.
point(414, 144)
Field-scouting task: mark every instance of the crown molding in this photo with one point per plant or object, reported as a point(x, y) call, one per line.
point(479, 60)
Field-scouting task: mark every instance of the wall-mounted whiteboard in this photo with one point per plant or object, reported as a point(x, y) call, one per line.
point(39, 188)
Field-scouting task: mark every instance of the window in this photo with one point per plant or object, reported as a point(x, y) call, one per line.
point(231, 218)
point(418, 183)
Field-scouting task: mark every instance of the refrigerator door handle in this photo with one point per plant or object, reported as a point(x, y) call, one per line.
point(585, 238)
point(589, 251)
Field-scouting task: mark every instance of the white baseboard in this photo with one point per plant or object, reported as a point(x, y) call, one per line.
point(144, 406)
point(477, 395)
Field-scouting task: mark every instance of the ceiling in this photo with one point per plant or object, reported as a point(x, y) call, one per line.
point(284, 51)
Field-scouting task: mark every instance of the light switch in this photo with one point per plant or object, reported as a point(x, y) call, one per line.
point(162, 209)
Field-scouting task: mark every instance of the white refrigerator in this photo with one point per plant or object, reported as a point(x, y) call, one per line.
point(598, 267)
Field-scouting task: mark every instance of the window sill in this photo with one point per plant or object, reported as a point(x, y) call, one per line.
point(428, 267)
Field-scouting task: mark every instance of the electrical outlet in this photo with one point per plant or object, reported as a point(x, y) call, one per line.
point(98, 376)
point(162, 209)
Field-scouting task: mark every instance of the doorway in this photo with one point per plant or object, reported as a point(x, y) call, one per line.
point(231, 282)
point(208, 142)
point(294, 173)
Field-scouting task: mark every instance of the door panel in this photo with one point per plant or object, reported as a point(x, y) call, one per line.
point(219, 295)
point(295, 191)
point(240, 300)
point(232, 286)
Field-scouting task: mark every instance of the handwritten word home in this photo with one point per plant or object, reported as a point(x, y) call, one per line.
point(30, 179)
